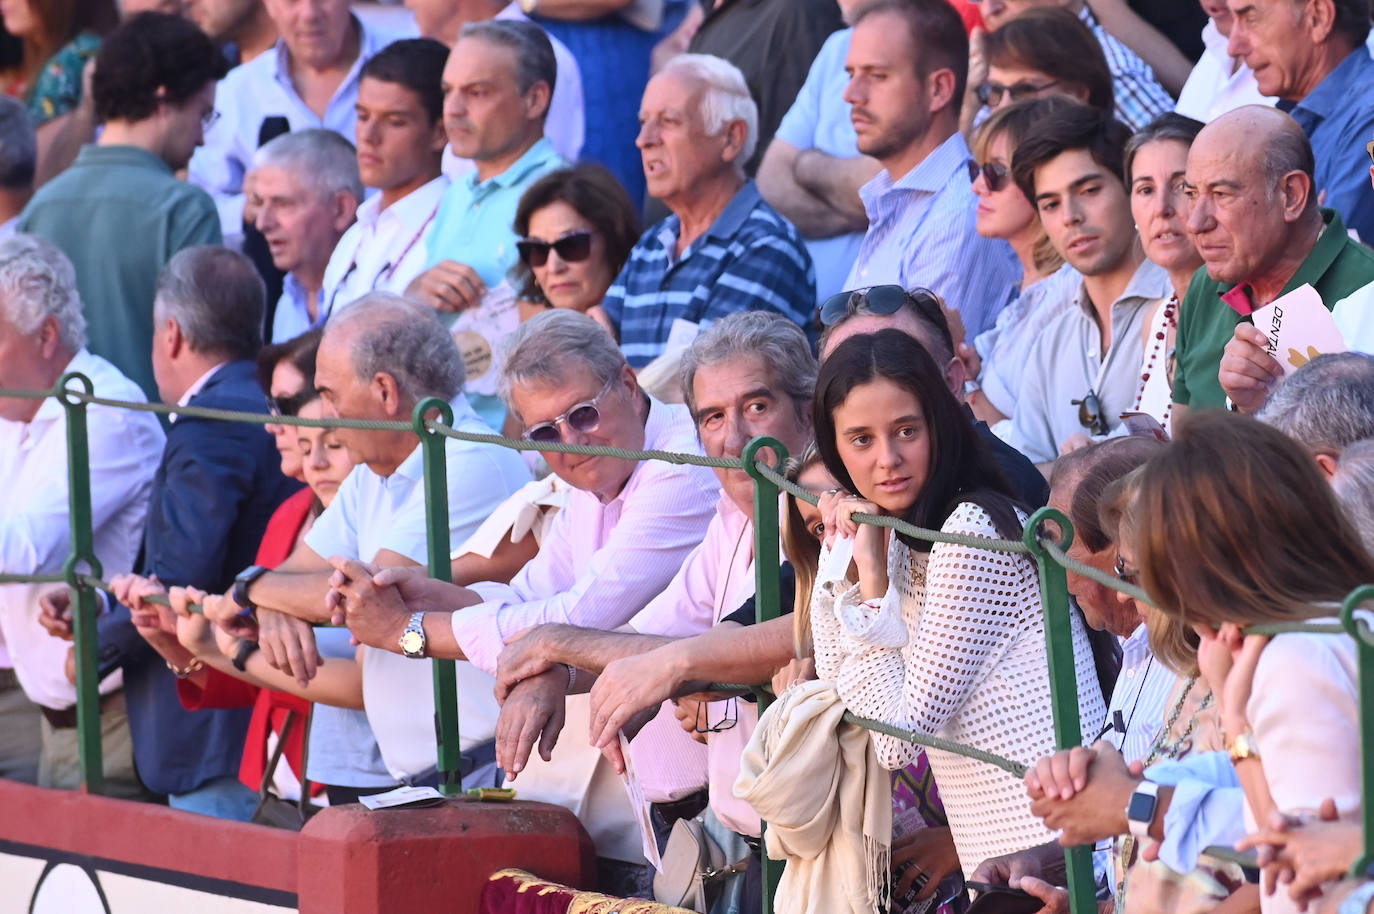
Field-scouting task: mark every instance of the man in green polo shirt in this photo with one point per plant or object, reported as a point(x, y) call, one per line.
point(119, 211)
point(1255, 221)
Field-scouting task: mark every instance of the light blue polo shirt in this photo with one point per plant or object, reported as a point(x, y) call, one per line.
point(476, 226)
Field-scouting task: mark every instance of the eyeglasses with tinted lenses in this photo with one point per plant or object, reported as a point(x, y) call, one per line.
point(1090, 413)
point(290, 405)
point(884, 300)
point(990, 94)
point(994, 174)
point(573, 247)
point(583, 417)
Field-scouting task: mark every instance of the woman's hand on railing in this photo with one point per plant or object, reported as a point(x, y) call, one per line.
point(195, 631)
point(796, 670)
point(1303, 851)
point(1082, 793)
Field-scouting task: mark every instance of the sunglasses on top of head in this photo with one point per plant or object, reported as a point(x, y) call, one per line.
point(574, 247)
point(885, 300)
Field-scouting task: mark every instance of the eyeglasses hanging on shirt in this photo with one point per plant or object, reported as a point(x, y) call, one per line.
point(387, 271)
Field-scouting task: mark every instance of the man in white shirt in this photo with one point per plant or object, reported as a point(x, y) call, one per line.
point(305, 192)
point(1219, 82)
point(310, 79)
point(812, 171)
point(443, 20)
point(907, 64)
point(400, 138)
point(1084, 369)
point(377, 360)
point(624, 533)
point(43, 336)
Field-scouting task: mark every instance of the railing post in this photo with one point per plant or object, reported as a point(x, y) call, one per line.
point(436, 516)
point(767, 600)
point(1365, 656)
point(79, 562)
point(1068, 732)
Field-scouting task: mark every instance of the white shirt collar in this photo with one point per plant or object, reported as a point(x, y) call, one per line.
point(196, 387)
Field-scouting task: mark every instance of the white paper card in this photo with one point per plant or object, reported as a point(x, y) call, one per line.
point(640, 806)
point(403, 796)
point(1299, 328)
point(835, 561)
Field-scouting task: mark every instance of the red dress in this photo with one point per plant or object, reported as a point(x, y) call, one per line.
point(270, 707)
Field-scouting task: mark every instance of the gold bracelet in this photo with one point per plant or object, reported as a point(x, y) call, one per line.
point(195, 666)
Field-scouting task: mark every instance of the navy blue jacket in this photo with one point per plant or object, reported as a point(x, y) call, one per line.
point(218, 484)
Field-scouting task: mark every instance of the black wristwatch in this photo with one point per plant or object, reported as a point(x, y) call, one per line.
point(245, 650)
point(241, 583)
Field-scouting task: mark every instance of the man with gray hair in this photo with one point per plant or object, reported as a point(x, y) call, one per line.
point(377, 360)
point(18, 162)
point(622, 534)
point(305, 192)
point(42, 337)
point(1256, 221)
point(723, 249)
point(215, 488)
point(498, 81)
point(1326, 406)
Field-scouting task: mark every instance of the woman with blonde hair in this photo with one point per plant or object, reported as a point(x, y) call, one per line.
point(1234, 525)
point(997, 357)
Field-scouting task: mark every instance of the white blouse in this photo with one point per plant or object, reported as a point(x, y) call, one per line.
point(956, 649)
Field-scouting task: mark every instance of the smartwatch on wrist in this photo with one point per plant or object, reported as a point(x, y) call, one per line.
point(242, 581)
point(241, 655)
point(1140, 811)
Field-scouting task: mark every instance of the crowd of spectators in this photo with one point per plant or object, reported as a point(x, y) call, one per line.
point(962, 260)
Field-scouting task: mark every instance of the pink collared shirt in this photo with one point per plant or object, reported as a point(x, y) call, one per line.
point(601, 563)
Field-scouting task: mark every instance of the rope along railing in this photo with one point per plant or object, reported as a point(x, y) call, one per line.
point(1048, 553)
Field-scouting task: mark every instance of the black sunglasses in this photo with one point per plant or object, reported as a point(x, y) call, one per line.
point(1090, 413)
point(290, 405)
point(573, 247)
point(990, 94)
point(884, 300)
point(994, 174)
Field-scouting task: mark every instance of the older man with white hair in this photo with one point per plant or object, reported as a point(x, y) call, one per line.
point(723, 249)
point(305, 194)
point(43, 336)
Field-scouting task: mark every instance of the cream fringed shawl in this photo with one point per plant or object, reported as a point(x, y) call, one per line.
point(828, 803)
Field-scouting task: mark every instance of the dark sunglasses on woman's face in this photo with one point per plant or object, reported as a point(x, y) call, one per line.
point(994, 174)
point(1090, 414)
point(990, 93)
point(573, 247)
point(289, 405)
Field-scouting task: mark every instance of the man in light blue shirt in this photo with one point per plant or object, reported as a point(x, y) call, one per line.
point(1328, 87)
point(309, 80)
point(812, 171)
point(908, 63)
point(497, 84)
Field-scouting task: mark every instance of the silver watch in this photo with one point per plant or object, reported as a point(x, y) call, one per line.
point(412, 640)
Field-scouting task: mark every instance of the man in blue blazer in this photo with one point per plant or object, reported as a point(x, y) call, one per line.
point(214, 491)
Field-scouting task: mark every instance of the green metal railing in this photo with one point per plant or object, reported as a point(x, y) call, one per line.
point(82, 574)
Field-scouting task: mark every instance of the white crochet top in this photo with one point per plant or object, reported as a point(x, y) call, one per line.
point(956, 649)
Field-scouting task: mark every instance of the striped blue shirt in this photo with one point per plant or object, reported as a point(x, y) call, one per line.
point(921, 232)
point(750, 259)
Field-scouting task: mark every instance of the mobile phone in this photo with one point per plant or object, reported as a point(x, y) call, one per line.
point(1001, 899)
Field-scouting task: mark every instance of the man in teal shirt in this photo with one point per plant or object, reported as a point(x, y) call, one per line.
point(497, 84)
point(119, 211)
point(1255, 221)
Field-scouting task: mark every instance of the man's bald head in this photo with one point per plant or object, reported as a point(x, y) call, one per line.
point(1250, 174)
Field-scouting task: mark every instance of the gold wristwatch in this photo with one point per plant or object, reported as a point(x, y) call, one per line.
point(1243, 746)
